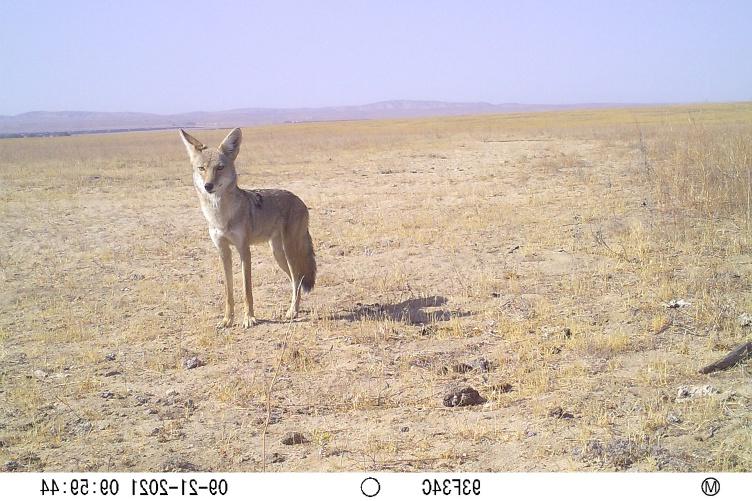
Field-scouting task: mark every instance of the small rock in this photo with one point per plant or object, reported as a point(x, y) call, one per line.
point(559, 413)
point(567, 332)
point(178, 465)
point(173, 393)
point(110, 357)
point(461, 368)
point(81, 427)
point(277, 458)
point(461, 397)
point(673, 419)
point(707, 433)
point(107, 394)
point(141, 400)
point(405, 429)
point(336, 451)
point(677, 303)
point(502, 387)
point(480, 364)
point(745, 320)
point(192, 362)
point(530, 433)
point(155, 431)
point(548, 332)
point(274, 417)
point(112, 373)
point(423, 362)
point(294, 438)
point(29, 459)
point(619, 453)
point(690, 392)
point(40, 374)
point(150, 411)
point(11, 466)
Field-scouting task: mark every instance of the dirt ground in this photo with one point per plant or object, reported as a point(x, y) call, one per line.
point(528, 256)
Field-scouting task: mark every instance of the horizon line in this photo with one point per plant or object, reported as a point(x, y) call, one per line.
point(466, 103)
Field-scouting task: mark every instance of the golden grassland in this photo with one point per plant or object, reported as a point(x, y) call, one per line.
point(545, 243)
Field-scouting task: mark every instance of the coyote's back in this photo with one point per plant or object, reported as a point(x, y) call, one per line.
point(280, 212)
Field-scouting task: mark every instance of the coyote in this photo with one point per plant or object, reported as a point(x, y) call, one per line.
point(246, 217)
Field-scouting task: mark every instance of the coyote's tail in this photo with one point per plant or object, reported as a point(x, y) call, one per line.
point(308, 263)
point(299, 249)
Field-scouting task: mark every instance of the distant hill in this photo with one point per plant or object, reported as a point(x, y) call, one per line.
point(77, 122)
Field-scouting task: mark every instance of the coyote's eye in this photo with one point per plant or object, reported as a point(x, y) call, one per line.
point(201, 168)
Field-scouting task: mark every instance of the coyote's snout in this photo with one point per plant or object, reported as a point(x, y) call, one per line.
point(246, 217)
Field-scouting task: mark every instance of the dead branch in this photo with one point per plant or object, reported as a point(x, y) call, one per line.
point(735, 356)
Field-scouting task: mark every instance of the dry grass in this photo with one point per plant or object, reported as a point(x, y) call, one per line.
point(544, 243)
point(706, 170)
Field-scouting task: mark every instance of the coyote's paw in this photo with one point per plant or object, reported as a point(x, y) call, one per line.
point(291, 313)
point(225, 322)
point(249, 321)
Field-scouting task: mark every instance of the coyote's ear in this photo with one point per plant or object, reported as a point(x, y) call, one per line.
point(231, 144)
point(192, 144)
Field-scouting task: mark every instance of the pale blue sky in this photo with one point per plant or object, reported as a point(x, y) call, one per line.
point(165, 56)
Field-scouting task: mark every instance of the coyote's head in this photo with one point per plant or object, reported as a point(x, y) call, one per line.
point(213, 169)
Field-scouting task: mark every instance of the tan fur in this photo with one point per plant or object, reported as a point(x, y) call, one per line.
point(242, 218)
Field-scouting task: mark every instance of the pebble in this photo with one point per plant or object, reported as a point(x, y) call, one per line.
point(192, 362)
point(294, 438)
point(461, 397)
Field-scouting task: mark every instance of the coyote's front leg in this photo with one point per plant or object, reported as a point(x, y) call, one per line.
point(245, 258)
point(226, 255)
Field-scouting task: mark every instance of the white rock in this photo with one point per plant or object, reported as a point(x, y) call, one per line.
point(676, 303)
point(745, 320)
point(690, 392)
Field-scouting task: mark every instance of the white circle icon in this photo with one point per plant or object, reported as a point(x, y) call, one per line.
point(370, 487)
